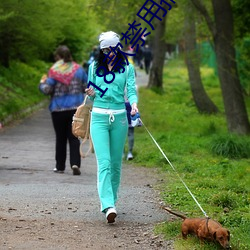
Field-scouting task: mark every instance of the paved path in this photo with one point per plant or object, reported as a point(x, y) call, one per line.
point(31, 194)
point(141, 78)
point(26, 163)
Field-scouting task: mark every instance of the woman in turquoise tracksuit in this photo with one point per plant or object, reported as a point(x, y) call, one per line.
point(109, 123)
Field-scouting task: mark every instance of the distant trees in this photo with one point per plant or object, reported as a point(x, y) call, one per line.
point(222, 30)
point(159, 48)
point(242, 35)
point(222, 33)
point(32, 29)
point(120, 13)
point(219, 20)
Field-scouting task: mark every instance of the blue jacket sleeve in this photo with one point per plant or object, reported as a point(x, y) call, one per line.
point(81, 74)
point(48, 86)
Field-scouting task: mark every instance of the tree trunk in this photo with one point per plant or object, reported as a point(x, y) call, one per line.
point(223, 37)
point(233, 97)
point(201, 99)
point(159, 51)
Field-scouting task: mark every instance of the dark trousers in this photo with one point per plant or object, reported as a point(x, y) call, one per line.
point(62, 122)
point(130, 129)
point(147, 65)
point(131, 139)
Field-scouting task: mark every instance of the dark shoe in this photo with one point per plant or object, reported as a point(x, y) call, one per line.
point(58, 171)
point(76, 170)
point(111, 214)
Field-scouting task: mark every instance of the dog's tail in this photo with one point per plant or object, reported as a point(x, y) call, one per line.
point(175, 213)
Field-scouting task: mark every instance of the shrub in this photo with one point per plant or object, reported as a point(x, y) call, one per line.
point(224, 200)
point(231, 146)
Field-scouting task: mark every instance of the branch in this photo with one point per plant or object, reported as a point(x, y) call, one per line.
point(202, 9)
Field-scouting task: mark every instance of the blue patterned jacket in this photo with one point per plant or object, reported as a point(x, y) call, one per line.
point(65, 97)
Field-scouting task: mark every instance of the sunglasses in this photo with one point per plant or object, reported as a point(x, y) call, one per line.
point(106, 51)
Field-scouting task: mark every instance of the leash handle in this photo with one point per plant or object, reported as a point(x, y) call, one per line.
point(174, 170)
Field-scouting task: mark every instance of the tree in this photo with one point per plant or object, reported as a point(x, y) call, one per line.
point(159, 50)
point(201, 99)
point(116, 14)
point(23, 33)
point(223, 37)
point(28, 33)
point(241, 17)
point(118, 21)
point(242, 33)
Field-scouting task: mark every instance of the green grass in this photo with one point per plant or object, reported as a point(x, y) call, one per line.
point(215, 165)
point(19, 87)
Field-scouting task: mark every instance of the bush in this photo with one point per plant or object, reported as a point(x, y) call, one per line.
point(231, 146)
point(19, 87)
point(224, 200)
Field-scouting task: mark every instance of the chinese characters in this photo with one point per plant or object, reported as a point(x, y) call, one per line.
point(135, 35)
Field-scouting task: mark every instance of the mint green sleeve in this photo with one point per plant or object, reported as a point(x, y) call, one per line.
point(91, 77)
point(131, 86)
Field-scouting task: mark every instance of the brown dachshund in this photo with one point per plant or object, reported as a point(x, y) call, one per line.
point(204, 229)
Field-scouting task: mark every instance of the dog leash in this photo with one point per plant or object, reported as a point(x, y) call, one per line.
point(174, 170)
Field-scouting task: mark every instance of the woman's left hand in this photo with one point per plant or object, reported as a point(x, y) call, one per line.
point(134, 109)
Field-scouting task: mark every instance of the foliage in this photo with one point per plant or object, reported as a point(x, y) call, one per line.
point(242, 37)
point(220, 184)
point(175, 23)
point(29, 33)
point(243, 60)
point(120, 13)
point(19, 87)
point(231, 146)
point(241, 17)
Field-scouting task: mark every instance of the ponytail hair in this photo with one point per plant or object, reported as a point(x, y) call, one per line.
point(63, 53)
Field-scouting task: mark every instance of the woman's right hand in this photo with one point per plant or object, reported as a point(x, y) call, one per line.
point(43, 79)
point(90, 91)
point(134, 109)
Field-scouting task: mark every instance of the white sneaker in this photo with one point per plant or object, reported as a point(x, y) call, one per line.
point(130, 156)
point(58, 171)
point(111, 214)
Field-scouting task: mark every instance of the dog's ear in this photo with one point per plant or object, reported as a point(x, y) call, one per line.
point(214, 235)
point(228, 237)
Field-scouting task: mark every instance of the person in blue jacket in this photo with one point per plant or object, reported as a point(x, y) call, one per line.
point(65, 83)
point(109, 123)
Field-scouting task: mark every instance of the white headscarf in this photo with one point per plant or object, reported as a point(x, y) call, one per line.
point(108, 38)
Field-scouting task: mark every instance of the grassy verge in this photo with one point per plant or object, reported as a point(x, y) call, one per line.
point(19, 88)
point(213, 164)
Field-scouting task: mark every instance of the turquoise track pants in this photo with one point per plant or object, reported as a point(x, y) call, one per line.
point(108, 138)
